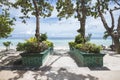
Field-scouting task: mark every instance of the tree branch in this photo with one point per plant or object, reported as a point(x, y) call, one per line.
point(112, 18)
point(36, 8)
point(118, 26)
point(116, 8)
point(117, 2)
point(102, 17)
point(78, 14)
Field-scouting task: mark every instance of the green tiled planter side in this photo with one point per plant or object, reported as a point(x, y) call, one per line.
point(85, 59)
point(32, 60)
point(35, 59)
point(51, 50)
point(45, 54)
point(77, 56)
point(93, 60)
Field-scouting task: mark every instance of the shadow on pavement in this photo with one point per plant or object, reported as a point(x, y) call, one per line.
point(63, 74)
point(99, 68)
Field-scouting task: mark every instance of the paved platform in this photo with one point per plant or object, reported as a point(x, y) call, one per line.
point(60, 66)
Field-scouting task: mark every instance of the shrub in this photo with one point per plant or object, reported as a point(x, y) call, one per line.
point(20, 46)
point(79, 39)
point(48, 43)
point(32, 39)
point(43, 37)
point(97, 49)
point(88, 47)
point(78, 46)
point(72, 44)
point(33, 46)
point(7, 45)
point(83, 45)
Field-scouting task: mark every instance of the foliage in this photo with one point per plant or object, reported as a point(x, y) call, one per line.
point(79, 39)
point(32, 39)
point(36, 8)
point(5, 23)
point(72, 44)
point(78, 46)
point(80, 9)
point(48, 43)
point(7, 44)
point(33, 46)
point(43, 7)
point(68, 8)
point(65, 8)
point(43, 37)
point(106, 35)
point(88, 47)
point(113, 30)
point(88, 38)
point(20, 46)
point(85, 47)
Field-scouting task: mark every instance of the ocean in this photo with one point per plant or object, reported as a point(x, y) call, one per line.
point(58, 42)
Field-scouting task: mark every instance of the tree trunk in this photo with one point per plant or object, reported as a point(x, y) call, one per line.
point(117, 44)
point(37, 32)
point(82, 28)
point(82, 19)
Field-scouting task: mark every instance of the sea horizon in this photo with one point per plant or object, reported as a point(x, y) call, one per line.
point(59, 42)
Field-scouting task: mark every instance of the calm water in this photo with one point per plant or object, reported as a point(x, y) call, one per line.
point(59, 42)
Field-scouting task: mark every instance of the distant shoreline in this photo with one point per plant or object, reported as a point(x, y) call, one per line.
point(52, 38)
point(59, 42)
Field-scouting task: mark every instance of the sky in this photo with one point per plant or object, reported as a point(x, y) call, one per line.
point(64, 28)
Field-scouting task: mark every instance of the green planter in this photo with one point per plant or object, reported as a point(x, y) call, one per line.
point(87, 59)
point(35, 59)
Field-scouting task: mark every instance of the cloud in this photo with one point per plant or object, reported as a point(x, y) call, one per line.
point(21, 28)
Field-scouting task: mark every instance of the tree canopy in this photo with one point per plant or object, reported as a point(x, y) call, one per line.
point(37, 8)
point(113, 30)
point(34, 7)
point(80, 9)
point(5, 21)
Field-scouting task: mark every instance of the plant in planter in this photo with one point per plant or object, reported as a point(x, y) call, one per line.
point(87, 54)
point(34, 53)
point(39, 9)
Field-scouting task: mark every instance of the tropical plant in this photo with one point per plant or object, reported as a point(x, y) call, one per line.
point(7, 45)
point(88, 47)
point(32, 39)
point(79, 39)
point(43, 37)
point(32, 46)
point(48, 43)
point(20, 46)
point(72, 44)
point(85, 47)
